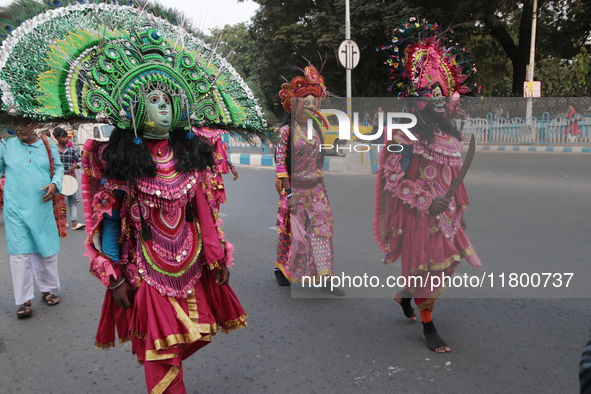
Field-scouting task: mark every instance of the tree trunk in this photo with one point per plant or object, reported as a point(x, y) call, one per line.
point(519, 75)
point(519, 54)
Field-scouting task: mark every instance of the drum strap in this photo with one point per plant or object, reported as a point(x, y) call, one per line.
point(59, 201)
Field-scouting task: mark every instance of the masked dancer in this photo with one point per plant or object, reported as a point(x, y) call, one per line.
point(304, 218)
point(154, 237)
point(414, 221)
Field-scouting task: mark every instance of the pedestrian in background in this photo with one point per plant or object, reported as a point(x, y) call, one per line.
point(572, 129)
point(71, 161)
point(366, 119)
point(34, 176)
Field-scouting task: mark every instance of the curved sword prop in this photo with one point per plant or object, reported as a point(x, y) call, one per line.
point(464, 170)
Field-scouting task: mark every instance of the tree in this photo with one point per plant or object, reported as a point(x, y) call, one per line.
point(287, 31)
point(237, 44)
point(561, 30)
point(497, 33)
point(566, 78)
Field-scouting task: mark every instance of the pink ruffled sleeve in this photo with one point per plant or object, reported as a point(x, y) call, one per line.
point(217, 249)
point(221, 157)
point(97, 202)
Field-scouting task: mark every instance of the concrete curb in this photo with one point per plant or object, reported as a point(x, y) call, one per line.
point(352, 163)
point(257, 159)
point(528, 148)
point(252, 159)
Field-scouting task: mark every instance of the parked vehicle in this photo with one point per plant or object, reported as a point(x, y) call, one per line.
point(93, 131)
point(331, 136)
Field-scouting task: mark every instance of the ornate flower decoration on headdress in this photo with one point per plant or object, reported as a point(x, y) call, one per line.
point(422, 61)
point(99, 60)
point(311, 83)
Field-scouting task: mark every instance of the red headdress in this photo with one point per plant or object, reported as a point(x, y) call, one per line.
point(311, 83)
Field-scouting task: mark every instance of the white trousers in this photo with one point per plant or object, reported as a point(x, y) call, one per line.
point(24, 267)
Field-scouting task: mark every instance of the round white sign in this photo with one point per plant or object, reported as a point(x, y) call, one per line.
point(349, 54)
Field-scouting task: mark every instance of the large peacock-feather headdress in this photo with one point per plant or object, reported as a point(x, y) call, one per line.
point(98, 61)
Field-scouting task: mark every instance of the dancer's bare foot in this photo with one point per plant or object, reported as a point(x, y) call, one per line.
point(405, 304)
point(440, 349)
point(433, 340)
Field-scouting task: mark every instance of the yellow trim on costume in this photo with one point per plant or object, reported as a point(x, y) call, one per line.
point(103, 345)
point(206, 338)
point(207, 328)
point(173, 340)
point(282, 175)
point(192, 306)
point(194, 316)
point(467, 252)
point(436, 267)
point(433, 230)
point(293, 280)
point(395, 232)
point(389, 261)
point(236, 324)
point(193, 334)
point(138, 335)
point(153, 355)
point(165, 382)
point(429, 303)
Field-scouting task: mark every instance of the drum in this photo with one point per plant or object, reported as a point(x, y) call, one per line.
point(69, 185)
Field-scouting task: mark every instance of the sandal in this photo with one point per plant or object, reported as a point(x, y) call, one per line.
point(24, 310)
point(50, 299)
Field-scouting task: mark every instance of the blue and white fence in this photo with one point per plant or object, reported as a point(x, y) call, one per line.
point(544, 131)
point(239, 142)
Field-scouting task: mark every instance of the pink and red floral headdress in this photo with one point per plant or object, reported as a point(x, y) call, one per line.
point(421, 59)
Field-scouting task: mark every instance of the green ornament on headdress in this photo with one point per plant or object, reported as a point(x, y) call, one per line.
point(98, 61)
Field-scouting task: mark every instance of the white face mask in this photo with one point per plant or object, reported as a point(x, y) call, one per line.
point(159, 112)
point(309, 106)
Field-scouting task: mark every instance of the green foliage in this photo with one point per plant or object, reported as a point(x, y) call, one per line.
point(237, 44)
point(562, 30)
point(293, 31)
point(565, 78)
point(496, 33)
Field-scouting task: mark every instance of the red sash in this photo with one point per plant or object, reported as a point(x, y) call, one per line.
point(59, 201)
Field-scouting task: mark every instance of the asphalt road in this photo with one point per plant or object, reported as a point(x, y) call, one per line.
point(529, 213)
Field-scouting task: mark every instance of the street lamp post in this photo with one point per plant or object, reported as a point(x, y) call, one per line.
point(348, 69)
point(530, 70)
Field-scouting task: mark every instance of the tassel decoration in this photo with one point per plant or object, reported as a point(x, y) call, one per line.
point(146, 233)
point(189, 212)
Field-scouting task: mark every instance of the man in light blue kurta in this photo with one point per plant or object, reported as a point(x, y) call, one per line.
point(32, 237)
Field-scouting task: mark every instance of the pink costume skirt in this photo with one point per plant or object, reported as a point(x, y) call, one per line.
point(169, 329)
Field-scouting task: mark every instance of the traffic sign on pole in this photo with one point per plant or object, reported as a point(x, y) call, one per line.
point(349, 54)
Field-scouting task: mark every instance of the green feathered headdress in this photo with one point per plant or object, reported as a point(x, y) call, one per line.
point(99, 60)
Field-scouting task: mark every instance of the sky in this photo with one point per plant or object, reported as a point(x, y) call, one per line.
point(207, 14)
